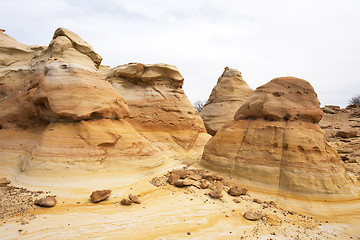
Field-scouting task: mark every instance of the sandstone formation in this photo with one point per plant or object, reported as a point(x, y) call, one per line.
point(342, 131)
point(275, 145)
point(62, 115)
point(227, 96)
point(159, 109)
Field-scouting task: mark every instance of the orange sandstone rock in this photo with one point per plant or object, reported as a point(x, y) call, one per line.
point(227, 96)
point(275, 145)
point(159, 108)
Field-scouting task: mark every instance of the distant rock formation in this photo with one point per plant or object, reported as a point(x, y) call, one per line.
point(275, 145)
point(159, 108)
point(227, 96)
point(59, 113)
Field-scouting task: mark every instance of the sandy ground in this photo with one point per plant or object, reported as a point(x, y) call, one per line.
point(166, 212)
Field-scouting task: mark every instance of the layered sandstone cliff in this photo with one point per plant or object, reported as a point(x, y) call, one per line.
point(159, 108)
point(275, 144)
point(63, 115)
point(227, 96)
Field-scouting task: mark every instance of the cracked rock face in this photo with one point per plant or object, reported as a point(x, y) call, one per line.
point(227, 96)
point(159, 108)
point(274, 144)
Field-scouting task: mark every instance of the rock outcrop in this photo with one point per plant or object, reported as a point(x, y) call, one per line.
point(62, 115)
point(275, 145)
point(227, 96)
point(159, 108)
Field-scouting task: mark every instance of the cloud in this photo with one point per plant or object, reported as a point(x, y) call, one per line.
point(314, 40)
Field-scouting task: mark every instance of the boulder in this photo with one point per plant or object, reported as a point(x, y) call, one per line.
point(227, 96)
point(274, 144)
point(48, 201)
point(346, 133)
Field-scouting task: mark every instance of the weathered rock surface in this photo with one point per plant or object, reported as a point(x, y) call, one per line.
point(227, 96)
point(100, 195)
point(159, 109)
point(48, 201)
point(65, 116)
point(275, 144)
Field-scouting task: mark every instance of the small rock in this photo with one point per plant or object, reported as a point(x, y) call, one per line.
point(204, 185)
point(236, 200)
point(344, 157)
point(48, 201)
point(181, 173)
point(188, 233)
point(100, 195)
point(273, 203)
point(345, 140)
point(257, 201)
point(346, 134)
point(325, 125)
point(173, 178)
point(126, 201)
point(4, 182)
point(216, 194)
point(252, 216)
point(183, 183)
point(352, 161)
point(235, 191)
point(134, 199)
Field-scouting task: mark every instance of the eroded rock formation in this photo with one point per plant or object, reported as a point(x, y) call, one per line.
point(61, 114)
point(276, 145)
point(227, 96)
point(159, 108)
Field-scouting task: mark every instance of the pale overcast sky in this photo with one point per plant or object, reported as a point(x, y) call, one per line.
point(317, 40)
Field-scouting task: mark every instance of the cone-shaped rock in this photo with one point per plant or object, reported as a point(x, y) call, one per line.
point(275, 145)
point(227, 96)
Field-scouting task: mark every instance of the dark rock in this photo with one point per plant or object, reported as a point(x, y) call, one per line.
point(100, 195)
point(252, 216)
point(216, 194)
point(235, 191)
point(346, 134)
point(183, 183)
point(126, 201)
point(134, 199)
point(173, 178)
point(257, 201)
point(48, 201)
